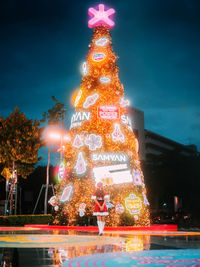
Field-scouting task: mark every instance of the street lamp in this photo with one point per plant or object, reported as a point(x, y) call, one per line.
point(53, 135)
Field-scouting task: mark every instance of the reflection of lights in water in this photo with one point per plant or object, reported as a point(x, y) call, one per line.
point(63, 255)
point(135, 243)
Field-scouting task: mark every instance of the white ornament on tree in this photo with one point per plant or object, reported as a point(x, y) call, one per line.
point(90, 100)
point(77, 141)
point(137, 180)
point(117, 135)
point(145, 200)
point(81, 164)
point(78, 98)
point(93, 141)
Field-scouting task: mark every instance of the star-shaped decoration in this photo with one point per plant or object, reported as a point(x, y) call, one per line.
point(100, 16)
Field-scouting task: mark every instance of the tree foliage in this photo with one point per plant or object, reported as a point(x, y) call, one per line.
point(55, 114)
point(20, 140)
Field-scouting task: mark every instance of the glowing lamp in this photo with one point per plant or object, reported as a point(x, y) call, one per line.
point(101, 17)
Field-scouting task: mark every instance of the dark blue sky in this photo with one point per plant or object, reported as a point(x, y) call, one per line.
point(158, 43)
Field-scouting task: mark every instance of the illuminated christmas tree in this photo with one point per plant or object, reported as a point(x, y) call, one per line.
point(103, 146)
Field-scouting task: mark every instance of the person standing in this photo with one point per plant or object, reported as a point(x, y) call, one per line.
point(100, 209)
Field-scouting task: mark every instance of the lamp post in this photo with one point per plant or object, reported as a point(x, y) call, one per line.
point(53, 136)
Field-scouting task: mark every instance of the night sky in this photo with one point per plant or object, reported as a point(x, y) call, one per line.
point(42, 44)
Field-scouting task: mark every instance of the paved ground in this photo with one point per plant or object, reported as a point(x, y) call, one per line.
point(31, 247)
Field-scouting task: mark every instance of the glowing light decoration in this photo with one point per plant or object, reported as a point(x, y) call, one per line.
point(100, 17)
point(113, 157)
point(137, 180)
point(84, 68)
point(78, 118)
point(93, 141)
point(78, 98)
point(61, 171)
point(105, 79)
point(112, 174)
point(52, 201)
point(145, 200)
point(66, 194)
point(78, 141)
point(133, 204)
point(90, 100)
point(117, 135)
point(124, 103)
point(98, 57)
point(137, 145)
point(81, 164)
point(108, 112)
point(101, 41)
point(119, 208)
point(81, 209)
point(126, 120)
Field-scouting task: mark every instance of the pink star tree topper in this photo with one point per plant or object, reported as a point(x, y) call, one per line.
point(100, 17)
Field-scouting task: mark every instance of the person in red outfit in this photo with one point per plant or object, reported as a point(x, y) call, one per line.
point(100, 209)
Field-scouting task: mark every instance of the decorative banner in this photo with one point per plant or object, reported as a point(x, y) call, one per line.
point(66, 194)
point(119, 208)
point(84, 68)
point(78, 98)
point(98, 57)
point(77, 141)
point(126, 120)
point(114, 157)
point(124, 103)
point(105, 79)
point(133, 204)
point(137, 180)
point(61, 171)
point(78, 117)
point(80, 164)
point(93, 141)
point(113, 174)
point(108, 112)
point(101, 41)
point(52, 201)
point(145, 200)
point(117, 135)
point(90, 100)
point(101, 16)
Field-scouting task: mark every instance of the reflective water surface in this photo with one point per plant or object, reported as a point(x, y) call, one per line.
point(71, 248)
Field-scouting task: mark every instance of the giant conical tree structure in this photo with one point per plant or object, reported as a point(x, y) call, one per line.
point(103, 146)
